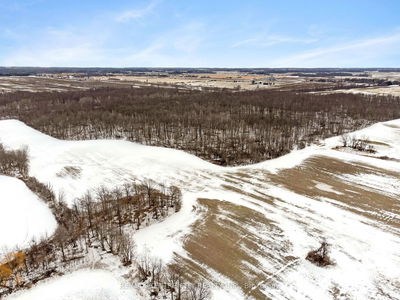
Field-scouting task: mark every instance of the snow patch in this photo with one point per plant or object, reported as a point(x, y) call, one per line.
point(80, 285)
point(326, 188)
point(24, 216)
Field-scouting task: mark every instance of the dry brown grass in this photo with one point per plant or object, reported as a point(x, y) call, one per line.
point(362, 200)
point(221, 241)
point(232, 239)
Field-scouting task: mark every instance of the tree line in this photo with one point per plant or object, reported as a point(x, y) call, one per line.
point(225, 127)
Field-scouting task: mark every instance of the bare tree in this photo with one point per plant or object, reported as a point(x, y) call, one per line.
point(198, 291)
point(143, 264)
point(223, 127)
point(345, 139)
point(126, 249)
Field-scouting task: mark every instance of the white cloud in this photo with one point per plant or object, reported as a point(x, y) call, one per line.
point(177, 47)
point(266, 41)
point(92, 47)
point(191, 44)
point(76, 55)
point(359, 52)
point(245, 42)
point(55, 47)
point(133, 14)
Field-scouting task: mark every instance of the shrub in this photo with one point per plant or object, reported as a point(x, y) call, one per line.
point(320, 256)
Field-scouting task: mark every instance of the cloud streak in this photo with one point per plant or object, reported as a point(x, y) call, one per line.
point(60, 47)
point(178, 46)
point(133, 14)
point(157, 33)
point(344, 54)
point(271, 41)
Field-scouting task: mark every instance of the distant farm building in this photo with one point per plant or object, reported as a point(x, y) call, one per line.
point(264, 81)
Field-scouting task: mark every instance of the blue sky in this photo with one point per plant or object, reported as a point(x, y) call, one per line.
point(177, 33)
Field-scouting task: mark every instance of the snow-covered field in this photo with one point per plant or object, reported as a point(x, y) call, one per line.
point(250, 228)
point(97, 162)
point(81, 285)
point(393, 90)
point(24, 216)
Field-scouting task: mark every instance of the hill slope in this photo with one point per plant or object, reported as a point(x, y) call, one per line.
point(24, 216)
point(81, 285)
point(247, 230)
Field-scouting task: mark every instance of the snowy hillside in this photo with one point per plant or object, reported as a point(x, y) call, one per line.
point(73, 167)
point(248, 229)
point(24, 216)
point(81, 285)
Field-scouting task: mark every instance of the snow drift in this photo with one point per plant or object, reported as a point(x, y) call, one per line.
point(24, 216)
point(80, 285)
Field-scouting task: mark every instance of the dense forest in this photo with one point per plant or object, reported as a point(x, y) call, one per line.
point(224, 127)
